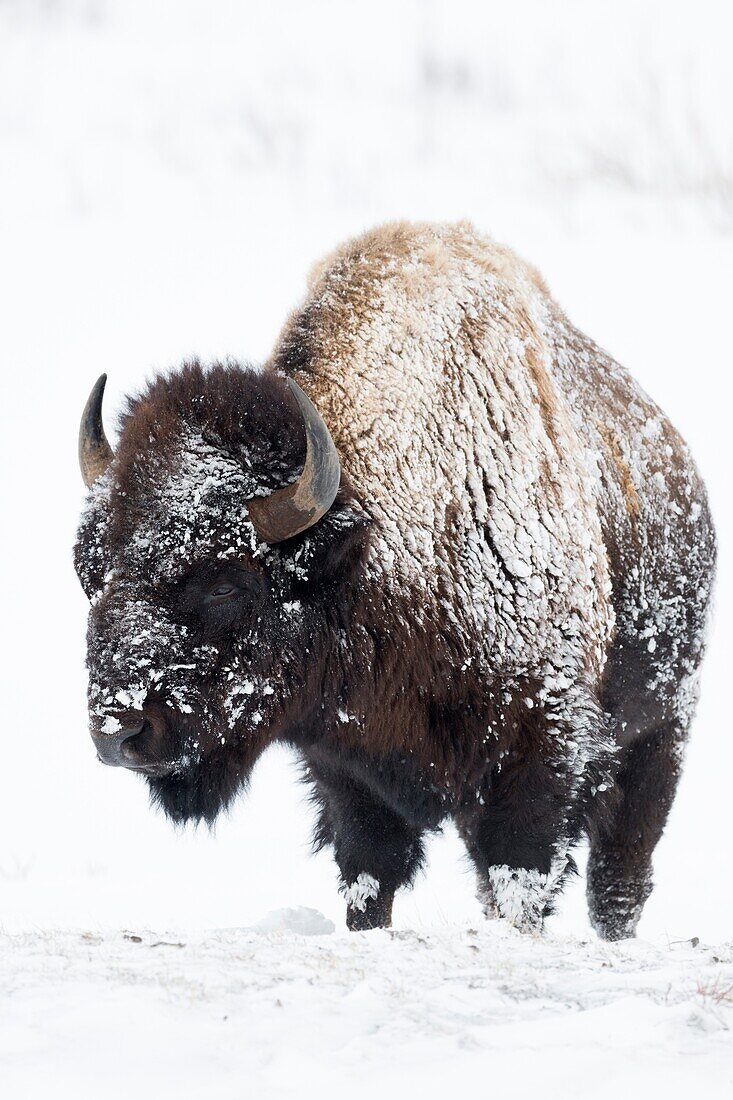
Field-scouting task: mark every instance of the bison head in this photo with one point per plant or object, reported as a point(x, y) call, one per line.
point(214, 547)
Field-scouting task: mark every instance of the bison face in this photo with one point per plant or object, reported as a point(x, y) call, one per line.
point(206, 642)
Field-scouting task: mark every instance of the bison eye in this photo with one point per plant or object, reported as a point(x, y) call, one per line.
point(222, 591)
point(218, 597)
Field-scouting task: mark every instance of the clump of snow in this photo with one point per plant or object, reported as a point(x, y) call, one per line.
point(301, 920)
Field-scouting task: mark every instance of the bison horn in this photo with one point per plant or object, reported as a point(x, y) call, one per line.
point(297, 506)
point(95, 453)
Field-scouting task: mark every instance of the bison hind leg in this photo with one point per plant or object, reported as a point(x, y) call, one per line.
point(619, 876)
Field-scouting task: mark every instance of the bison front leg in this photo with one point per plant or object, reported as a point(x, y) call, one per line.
point(377, 852)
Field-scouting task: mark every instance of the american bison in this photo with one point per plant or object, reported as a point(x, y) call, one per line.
point(443, 546)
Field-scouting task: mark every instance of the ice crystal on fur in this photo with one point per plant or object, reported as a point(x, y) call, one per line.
point(522, 896)
point(362, 890)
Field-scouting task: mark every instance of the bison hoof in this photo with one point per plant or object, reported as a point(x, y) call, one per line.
point(377, 913)
point(615, 928)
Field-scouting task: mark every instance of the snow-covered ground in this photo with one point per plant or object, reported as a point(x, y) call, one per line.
point(169, 169)
point(417, 1012)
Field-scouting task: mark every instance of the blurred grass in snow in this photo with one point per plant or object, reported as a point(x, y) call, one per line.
point(111, 107)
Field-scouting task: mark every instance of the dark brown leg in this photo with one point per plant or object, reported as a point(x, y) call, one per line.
point(376, 912)
point(377, 852)
point(521, 833)
point(619, 879)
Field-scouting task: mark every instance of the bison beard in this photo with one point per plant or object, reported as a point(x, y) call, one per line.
point(498, 619)
point(201, 792)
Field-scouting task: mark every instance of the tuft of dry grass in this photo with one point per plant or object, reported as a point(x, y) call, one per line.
point(717, 993)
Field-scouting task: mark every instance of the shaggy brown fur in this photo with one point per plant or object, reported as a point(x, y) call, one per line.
point(499, 620)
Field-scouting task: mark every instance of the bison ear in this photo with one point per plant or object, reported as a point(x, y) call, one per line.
point(333, 550)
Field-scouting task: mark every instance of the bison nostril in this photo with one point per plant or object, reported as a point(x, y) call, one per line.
point(128, 735)
point(132, 731)
point(118, 748)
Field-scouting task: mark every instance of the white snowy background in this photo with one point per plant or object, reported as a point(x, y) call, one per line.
point(168, 173)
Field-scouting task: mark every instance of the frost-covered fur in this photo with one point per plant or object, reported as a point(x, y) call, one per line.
point(362, 891)
point(501, 618)
point(520, 894)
